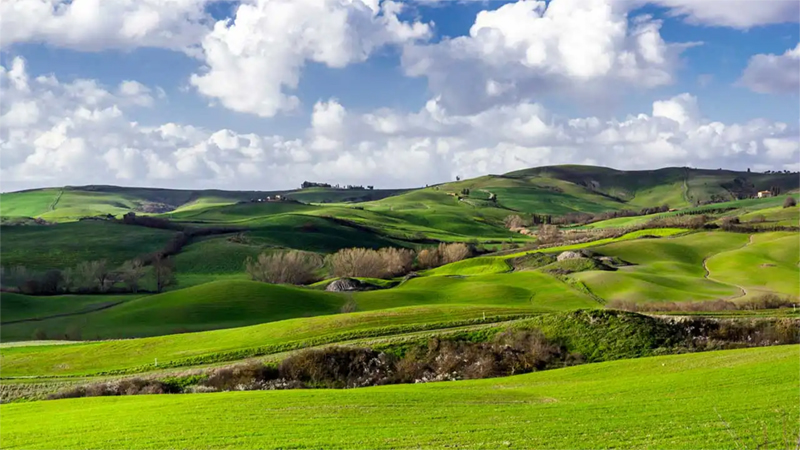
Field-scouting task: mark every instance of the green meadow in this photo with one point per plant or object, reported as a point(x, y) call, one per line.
point(694, 401)
point(215, 315)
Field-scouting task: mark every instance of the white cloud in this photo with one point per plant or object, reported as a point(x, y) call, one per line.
point(94, 25)
point(255, 58)
point(582, 48)
point(56, 133)
point(771, 74)
point(741, 14)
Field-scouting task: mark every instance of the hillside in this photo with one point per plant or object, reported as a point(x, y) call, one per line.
point(545, 190)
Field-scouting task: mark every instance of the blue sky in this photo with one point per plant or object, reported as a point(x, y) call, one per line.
point(378, 78)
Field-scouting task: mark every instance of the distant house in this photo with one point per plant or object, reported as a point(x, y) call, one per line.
point(764, 194)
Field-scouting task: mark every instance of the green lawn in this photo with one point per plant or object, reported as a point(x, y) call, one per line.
point(725, 399)
point(14, 307)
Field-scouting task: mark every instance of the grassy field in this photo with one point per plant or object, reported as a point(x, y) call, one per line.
point(693, 401)
point(66, 245)
point(767, 263)
point(664, 269)
point(188, 349)
point(16, 307)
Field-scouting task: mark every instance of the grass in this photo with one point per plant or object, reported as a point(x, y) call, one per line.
point(694, 401)
point(219, 304)
point(177, 350)
point(768, 264)
point(664, 269)
point(14, 307)
point(41, 247)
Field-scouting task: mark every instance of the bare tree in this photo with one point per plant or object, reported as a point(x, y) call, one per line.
point(450, 253)
point(548, 234)
point(289, 267)
point(513, 221)
point(132, 272)
point(428, 258)
point(92, 274)
point(164, 272)
point(396, 261)
point(357, 262)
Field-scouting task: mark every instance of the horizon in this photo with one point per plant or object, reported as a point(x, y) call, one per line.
point(378, 188)
point(389, 93)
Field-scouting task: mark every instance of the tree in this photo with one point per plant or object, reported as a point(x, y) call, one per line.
point(92, 274)
point(453, 252)
point(286, 267)
point(493, 198)
point(428, 258)
point(513, 221)
point(357, 262)
point(789, 202)
point(131, 273)
point(164, 272)
point(548, 234)
point(458, 178)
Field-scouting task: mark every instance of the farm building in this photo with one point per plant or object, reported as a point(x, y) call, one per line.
point(764, 194)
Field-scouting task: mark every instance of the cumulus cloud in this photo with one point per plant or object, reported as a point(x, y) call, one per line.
point(94, 25)
point(255, 58)
point(773, 74)
point(58, 133)
point(582, 48)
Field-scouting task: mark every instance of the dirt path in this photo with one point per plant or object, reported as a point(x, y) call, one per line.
point(743, 292)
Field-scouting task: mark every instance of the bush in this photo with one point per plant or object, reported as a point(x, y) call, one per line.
point(287, 267)
point(548, 234)
point(364, 262)
point(451, 253)
point(789, 202)
point(513, 221)
point(428, 258)
point(339, 367)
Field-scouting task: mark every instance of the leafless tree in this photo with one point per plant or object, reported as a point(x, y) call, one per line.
point(357, 262)
point(164, 272)
point(286, 267)
point(513, 221)
point(131, 273)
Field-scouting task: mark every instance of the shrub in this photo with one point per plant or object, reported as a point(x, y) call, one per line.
point(548, 234)
point(349, 306)
point(428, 258)
point(337, 367)
point(451, 253)
point(789, 202)
point(396, 261)
point(513, 221)
point(356, 262)
point(286, 267)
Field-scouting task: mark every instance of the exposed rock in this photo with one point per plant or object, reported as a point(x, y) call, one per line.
point(348, 285)
point(568, 255)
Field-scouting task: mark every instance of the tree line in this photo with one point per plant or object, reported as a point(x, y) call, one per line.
point(299, 267)
point(90, 277)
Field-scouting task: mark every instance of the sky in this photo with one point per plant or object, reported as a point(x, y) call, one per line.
point(265, 94)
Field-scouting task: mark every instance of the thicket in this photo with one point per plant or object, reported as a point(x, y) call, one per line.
point(285, 267)
point(766, 301)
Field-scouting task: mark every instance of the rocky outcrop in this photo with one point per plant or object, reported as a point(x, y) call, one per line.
point(348, 285)
point(569, 255)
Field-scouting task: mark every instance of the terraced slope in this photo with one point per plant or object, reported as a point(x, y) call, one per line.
point(693, 401)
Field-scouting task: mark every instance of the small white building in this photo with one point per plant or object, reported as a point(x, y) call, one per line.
point(764, 194)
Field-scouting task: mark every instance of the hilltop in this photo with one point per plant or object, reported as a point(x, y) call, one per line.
point(544, 190)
